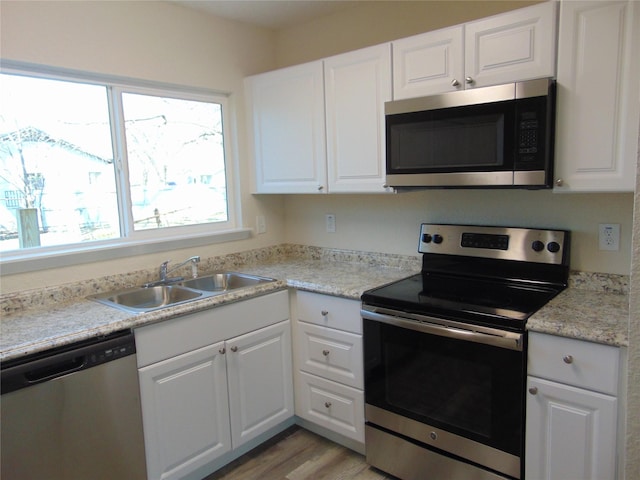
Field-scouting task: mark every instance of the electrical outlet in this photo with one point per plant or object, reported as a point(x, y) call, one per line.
point(261, 224)
point(330, 220)
point(609, 236)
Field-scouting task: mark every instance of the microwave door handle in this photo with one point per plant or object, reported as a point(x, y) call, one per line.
point(508, 340)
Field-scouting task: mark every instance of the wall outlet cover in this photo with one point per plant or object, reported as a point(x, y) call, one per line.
point(609, 236)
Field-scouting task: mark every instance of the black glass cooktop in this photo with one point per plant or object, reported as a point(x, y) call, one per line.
point(504, 304)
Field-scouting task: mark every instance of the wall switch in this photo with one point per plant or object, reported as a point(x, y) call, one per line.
point(330, 220)
point(261, 224)
point(609, 236)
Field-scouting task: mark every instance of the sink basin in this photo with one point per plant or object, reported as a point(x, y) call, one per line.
point(224, 281)
point(145, 299)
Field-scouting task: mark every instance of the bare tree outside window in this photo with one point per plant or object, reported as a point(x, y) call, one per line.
point(57, 162)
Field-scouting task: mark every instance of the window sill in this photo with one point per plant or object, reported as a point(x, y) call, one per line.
point(33, 262)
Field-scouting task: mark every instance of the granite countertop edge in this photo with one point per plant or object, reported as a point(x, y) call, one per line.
point(595, 307)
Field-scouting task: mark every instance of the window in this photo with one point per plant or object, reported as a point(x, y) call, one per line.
point(85, 163)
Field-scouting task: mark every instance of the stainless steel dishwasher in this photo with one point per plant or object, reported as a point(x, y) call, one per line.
point(73, 413)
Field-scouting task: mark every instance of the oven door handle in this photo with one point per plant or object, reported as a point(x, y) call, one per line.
point(497, 338)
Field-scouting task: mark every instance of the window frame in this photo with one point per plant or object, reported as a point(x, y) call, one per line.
point(132, 242)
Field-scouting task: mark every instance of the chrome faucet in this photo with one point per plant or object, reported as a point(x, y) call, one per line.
point(164, 270)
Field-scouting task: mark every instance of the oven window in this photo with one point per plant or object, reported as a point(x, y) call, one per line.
point(452, 140)
point(463, 396)
point(466, 388)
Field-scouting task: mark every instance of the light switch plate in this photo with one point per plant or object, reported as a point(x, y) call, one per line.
point(261, 224)
point(330, 220)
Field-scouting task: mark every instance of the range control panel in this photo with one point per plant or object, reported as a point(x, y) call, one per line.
point(508, 243)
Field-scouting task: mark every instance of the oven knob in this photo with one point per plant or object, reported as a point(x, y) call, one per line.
point(537, 246)
point(553, 247)
point(437, 239)
point(426, 238)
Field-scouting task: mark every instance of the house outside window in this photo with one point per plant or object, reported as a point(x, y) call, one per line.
point(88, 162)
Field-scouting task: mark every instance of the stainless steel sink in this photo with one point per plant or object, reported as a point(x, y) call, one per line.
point(155, 297)
point(145, 299)
point(225, 281)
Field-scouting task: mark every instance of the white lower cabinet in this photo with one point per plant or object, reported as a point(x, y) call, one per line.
point(202, 401)
point(328, 363)
point(185, 411)
point(572, 409)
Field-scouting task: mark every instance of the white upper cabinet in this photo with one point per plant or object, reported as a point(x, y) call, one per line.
point(598, 101)
point(356, 86)
point(514, 46)
point(299, 149)
point(519, 45)
point(287, 110)
point(429, 63)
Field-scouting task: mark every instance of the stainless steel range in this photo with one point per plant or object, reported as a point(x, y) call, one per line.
point(445, 352)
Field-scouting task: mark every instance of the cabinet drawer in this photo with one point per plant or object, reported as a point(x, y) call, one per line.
point(330, 353)
point(336, 407)
point(328, 311)
point(574, 362)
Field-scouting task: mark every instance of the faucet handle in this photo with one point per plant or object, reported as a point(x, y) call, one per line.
point(163, 270)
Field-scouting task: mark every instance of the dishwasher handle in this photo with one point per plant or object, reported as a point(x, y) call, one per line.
point(53, 370)
point(66, 360)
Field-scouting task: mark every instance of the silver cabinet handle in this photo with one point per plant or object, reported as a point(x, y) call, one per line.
point(469, 80)
point(455, 83)
point(533, 390)
point(559, 182)
point(567, 359)
point(234, 349)
point(327, 404)
point(222, 351)
point(326, 353)
point(324, 313)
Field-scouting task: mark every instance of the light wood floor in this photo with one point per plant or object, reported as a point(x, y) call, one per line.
point(297, 454)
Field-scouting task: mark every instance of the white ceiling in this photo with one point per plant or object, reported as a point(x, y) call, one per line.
point(273, 14)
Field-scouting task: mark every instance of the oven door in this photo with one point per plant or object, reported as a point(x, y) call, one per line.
point(447, 387)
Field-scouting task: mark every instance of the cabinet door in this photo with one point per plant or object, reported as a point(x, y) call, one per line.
point(598, 97)
point(260, 381)
point(428, 64)
point(570, 433)
point(514, 46)
point(287, 109)
point(356, 86)
point(185, 412)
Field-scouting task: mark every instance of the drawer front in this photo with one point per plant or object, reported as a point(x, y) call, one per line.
point(179, 335)
point(330, 353)
point(574, 362)
point(328, 311)
point(336, 407)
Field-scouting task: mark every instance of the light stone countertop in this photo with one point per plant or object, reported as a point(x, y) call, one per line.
point(594, 308)
point(590, 315)
point(47, 326)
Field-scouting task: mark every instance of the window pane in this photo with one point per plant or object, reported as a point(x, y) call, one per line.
point(57, 179)
point(175, 154)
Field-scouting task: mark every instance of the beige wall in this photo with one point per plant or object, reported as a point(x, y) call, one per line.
point(157, 41)
point(632, 401)
point(373, 22)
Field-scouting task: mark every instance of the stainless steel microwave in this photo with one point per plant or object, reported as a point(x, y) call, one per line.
point(491, 137)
